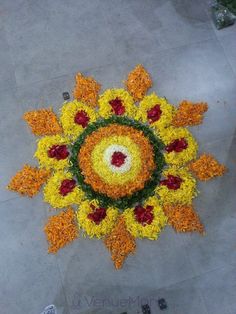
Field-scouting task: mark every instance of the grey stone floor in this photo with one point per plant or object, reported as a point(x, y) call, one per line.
point(42, 45)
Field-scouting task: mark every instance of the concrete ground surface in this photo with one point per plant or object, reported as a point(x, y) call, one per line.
point(42, 45)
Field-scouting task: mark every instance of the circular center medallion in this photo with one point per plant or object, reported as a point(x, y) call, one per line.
point(116, 159)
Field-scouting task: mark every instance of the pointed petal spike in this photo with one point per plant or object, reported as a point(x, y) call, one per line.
point(28, 180)
point(206, 167)
point(86, 89)
point(120, 243)
point(61, 230)
point(43, 122)
point(138, 82)
point(183, 218)
point(189, 114)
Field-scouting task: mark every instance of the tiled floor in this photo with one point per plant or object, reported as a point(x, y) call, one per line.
point(43, 44)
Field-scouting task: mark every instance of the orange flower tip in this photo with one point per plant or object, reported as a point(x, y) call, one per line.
point(61, 230)
point(138, 82)
point(86, 89)
point(43, 122)
point(189, 114)
point(206, 167)
point(183, 218)
point(120, 243)
point(28, 180)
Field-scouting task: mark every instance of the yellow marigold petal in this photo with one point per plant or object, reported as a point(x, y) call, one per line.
point(168, 135)
point(86, 89)
point(148, 102)
point(68, 113)
point(52, 188)
point(105, 172)
point(184, 194)
point(189, 114)
point(43, 122)
point(89, 226)
point(183, 218)
point(44, 144)
point(105, 108)
point(150, 231)
point(120, 243)
point(28, 180)
point(207, 167)
point(60, 230)
point(138, 82)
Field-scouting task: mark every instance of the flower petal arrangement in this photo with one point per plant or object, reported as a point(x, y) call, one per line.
point(117, 169)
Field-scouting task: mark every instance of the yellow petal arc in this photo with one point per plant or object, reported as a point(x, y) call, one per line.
point(167, 111)
point(169, 135)
point(150, 231)
point(68, 114)
point(105, 108)
point(52, 191)
point(184, 194)
point(44, 144)
point(91, 228)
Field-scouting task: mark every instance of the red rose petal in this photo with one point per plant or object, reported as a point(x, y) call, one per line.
point(144, 215)
point(117, 106)
point(97, 215)
point(118, 159)
point(67, 186)
point(58, 151)
point(172, 182)
point(154, 113)
point(81, 118)
point(177, 146)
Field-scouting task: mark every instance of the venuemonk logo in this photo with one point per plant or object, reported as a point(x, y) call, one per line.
point(112, 302)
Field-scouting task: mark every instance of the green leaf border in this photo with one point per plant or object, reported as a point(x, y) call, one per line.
point(136, 197)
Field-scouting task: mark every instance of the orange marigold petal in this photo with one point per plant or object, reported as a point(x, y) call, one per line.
point(183, 218)
point(60, 230)
point(207, 167)
point(138, 82)
point(28, 180)
point(120, 243)
point(189, 114)
point(43, 122)
point(86, 89)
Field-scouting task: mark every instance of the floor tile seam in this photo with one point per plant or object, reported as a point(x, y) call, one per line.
point(121, 62)
point(62, 284)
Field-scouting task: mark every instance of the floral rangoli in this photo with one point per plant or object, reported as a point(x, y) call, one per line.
point(121, 165)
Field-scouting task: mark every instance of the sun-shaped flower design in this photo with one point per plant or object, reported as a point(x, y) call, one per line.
point(122, 169)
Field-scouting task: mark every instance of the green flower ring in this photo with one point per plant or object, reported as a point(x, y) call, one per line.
point(136, 197)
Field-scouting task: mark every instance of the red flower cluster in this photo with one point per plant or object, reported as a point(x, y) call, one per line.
point(177, 146)
point(172, 182)
point(58, 151)
point(81, 118)
point(117, 106)
point(144, 215)
point(154, 114)
point(98, 214)
point(118, 159)
point(67, 186)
